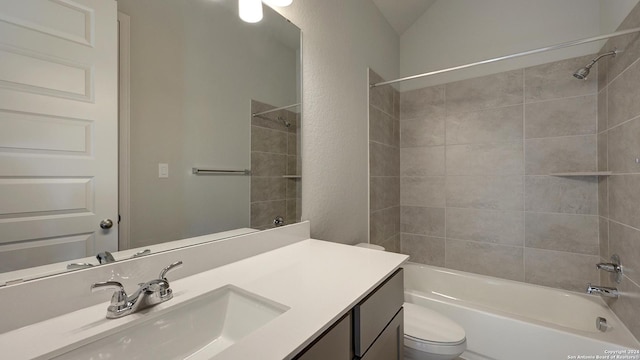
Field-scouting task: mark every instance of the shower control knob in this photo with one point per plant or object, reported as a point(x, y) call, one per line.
point(106, 224)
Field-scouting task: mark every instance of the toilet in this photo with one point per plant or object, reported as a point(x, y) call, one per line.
point(429, 335)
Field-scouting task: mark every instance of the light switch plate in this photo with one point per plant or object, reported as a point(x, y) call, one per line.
point(163, 170)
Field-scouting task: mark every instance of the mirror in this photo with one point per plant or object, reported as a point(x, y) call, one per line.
point(192, 74)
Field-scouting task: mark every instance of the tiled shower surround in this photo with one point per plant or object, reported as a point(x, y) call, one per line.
point(384, 165)
point(274, 149)
point(618, 149)
point(475, 163)
point(474, 180)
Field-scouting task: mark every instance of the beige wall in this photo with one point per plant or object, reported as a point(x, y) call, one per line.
point(341, 39)
point(618, 149)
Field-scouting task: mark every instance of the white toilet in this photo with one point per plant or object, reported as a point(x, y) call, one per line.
point(429, 335)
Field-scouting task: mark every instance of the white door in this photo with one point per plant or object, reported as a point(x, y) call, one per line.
point(58, 130)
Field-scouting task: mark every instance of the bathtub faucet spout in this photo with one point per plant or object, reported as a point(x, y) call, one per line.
point(602, 290)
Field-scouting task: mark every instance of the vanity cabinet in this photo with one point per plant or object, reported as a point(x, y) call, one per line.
point(334, 344)
point(372, 330)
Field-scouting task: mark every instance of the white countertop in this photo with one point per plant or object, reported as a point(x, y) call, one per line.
point(320, 281)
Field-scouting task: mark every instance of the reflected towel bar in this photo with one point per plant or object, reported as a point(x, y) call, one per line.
point(198, 171)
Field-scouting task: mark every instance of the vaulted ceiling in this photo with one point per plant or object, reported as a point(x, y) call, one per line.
point(401, 14)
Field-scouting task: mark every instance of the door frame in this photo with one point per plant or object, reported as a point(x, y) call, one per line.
point(124, 130)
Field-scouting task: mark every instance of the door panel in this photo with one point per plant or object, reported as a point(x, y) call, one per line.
point(58, 130)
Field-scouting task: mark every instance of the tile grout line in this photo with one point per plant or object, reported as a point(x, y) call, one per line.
point(524, 167)
point(446, 205)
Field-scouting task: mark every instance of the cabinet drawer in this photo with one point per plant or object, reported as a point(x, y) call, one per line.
point(390, 344)
point(373, 314)
point(334, 344)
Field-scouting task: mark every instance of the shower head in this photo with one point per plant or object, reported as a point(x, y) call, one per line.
point(582, 73)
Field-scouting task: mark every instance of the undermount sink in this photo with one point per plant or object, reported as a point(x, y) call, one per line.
point(196, 329)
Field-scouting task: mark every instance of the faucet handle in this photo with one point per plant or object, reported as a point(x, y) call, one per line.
point(105, 257)
point(119, 297)
point(170, 267)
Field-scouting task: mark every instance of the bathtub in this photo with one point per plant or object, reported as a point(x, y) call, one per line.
point(509, 320)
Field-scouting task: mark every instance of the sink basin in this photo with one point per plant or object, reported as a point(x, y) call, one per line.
point(196, 329)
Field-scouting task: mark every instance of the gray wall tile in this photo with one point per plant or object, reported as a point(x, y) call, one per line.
point(422, 221)
point(423, 191)
point(624, 147)
point(565, 154)
point(602, 111)
point(626, 307)
point(423, 249)
point(603, 70)
point(382, 96)
point(571, 233)
point(382, 128)
point(268, 140)
point(502, 89)
point(263, 213)
point(492, 125)
point(623, 101)
point(269, 120)
point(267, 164)
point(422, 161)
point(603, 196)
point(422, 103)
point(485, 159)
point(563, 117)
point(574, 195)
point(603, 230)
point(485, 192)
point(292, 144)
point(428, 131)
point(501, 227)
point(391, 244)
point(292, 165)
point(486, 259)
point(383, 160)
point(603, 164)
point(384, 224)
point(625, 242)
point(553, 80)
point(268, 188)
point(384, 192)
point(628, 43)
point(570, 271)
point(624, 198)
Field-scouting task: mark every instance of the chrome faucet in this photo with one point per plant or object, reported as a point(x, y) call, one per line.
point(148, 294)
point(614, 267)
point(602, 290)
point(105, 257)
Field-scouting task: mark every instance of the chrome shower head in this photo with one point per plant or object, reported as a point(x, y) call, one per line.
point(582, 73)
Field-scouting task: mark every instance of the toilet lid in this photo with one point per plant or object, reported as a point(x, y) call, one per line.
point(424, 324)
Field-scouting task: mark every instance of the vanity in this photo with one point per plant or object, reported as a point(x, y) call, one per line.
point(287, 297)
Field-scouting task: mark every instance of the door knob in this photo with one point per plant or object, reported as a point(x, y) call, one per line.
point(106, 224)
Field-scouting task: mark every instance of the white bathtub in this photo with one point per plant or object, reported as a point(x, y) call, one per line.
point(509, 320)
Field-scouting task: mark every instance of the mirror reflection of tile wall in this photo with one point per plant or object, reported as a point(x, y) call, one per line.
point(275, 161)
point(384, 164)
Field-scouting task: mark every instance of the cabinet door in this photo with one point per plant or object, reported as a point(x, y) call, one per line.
point(390, 344)
point(373, 314)
point(334, 344)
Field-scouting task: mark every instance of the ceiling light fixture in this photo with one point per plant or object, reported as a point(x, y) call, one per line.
point(280, 3)
point(250, 10)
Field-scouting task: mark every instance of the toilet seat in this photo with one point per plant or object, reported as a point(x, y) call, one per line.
point(428, 331)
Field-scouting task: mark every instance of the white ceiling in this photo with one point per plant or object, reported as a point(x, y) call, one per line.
point(401, 14)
